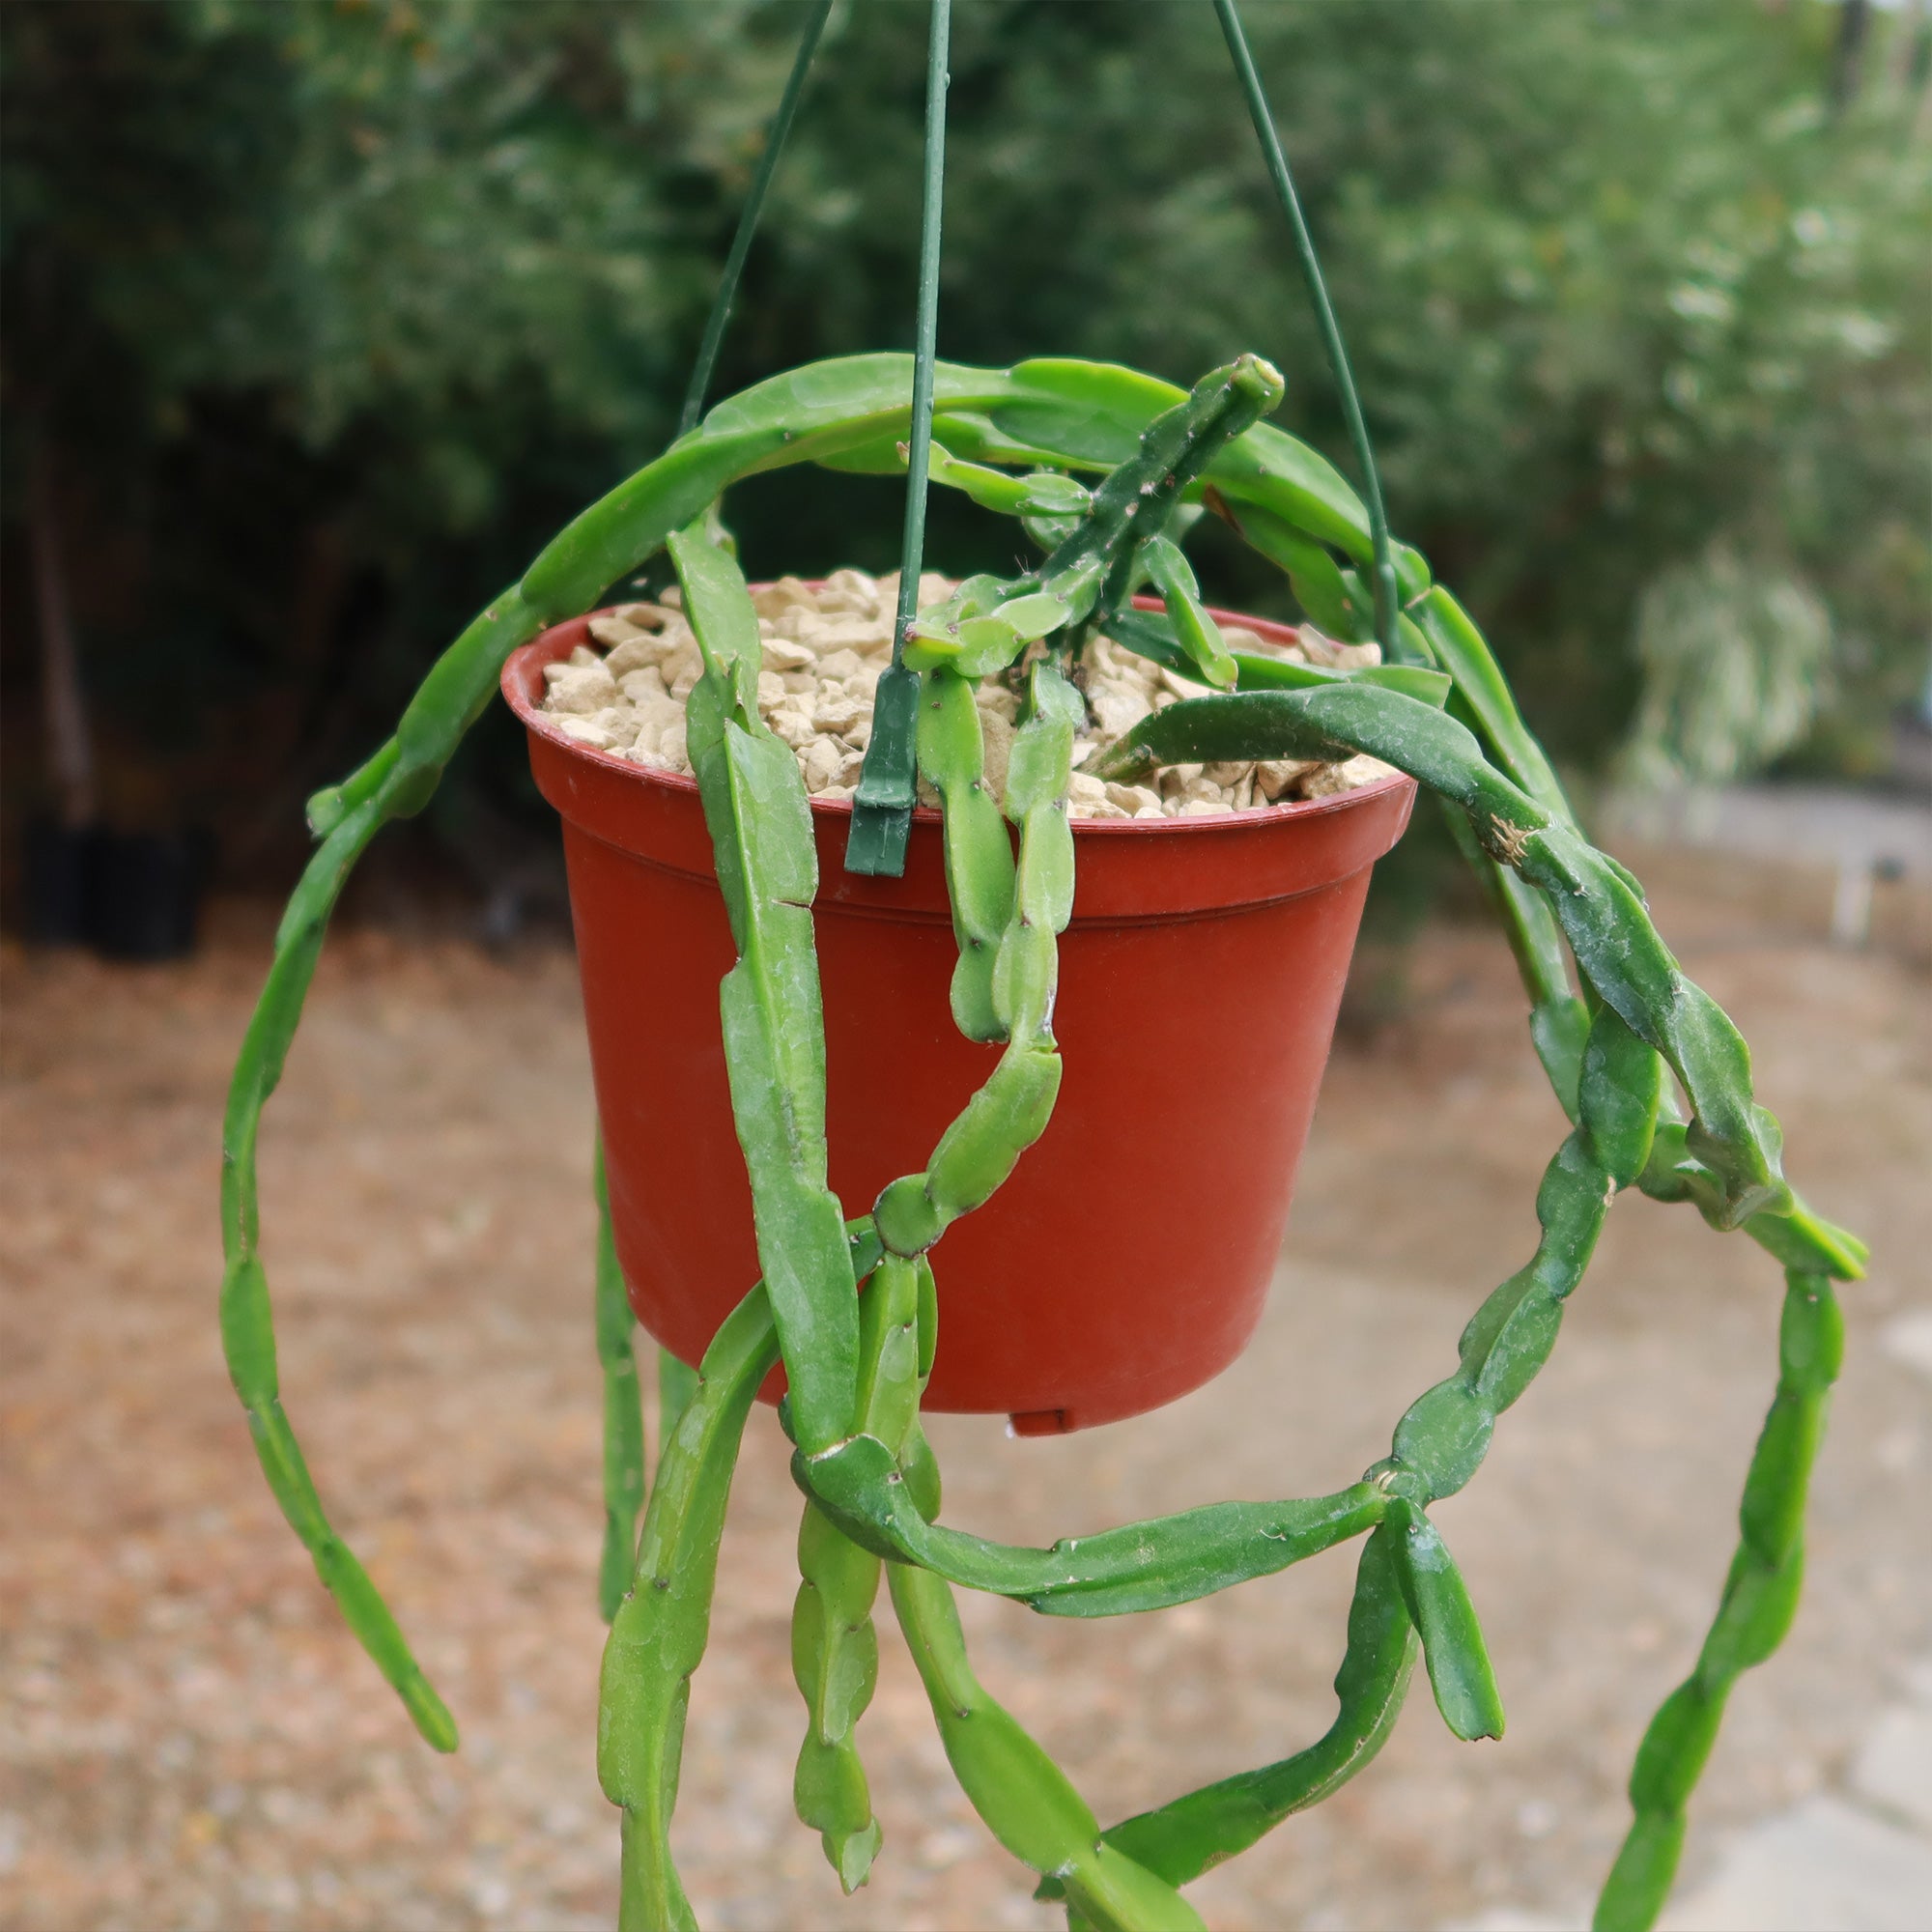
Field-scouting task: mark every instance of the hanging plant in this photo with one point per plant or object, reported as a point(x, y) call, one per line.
point(682, 785)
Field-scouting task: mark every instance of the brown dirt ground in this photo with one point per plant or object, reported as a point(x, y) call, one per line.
point(191, 1741)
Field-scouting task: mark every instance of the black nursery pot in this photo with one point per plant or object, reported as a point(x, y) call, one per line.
point(54, 875)
point(133, 896)
point(144, 892)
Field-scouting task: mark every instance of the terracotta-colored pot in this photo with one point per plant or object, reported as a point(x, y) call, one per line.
point(1128, 1258)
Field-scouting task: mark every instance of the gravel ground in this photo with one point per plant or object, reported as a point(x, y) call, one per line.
point(189, 1739)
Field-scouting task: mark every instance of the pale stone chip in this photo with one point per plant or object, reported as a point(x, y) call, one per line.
point(823, 760)
point(581, 688)
point(682, 670)
point(1226, 775)
point(657, 718)
point(671, 748)
point(1086, 794)
point(585, 731)
point(851, 590)
point(837, 791)
point(1135, 799)
point(857, 636)
point(998, 699)
point(783, 654)
point(794, 726)
point(934, 588)
point(643, 686)
point(789, 593)
point(584, 655)
point(1333, 656)
point(1116, 711)
point(837, 712)
point(640, 651)
point(646, 616)
point(996, 737)
point(1278, 776)
point(621, 720)
point(1352, 772)
point(771, 690)
point(1200, 808)
point(1178, 686)
point(850, 768)
point(611, 632)
point(839, 664)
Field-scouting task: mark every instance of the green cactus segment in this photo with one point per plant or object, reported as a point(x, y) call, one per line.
point(983, 626)
point(1143, 1566)
point(1021, 1795)
point(396, 782)
point(1040, 493)
point(1200, 637)
point(1023, 1798)
point(1312, 572)
point(1760, 1598)
point(658, 1637)
point(623, 1409)
point(1791, 1233)
point(1452, 1640)
point(755, 805)
point(1152, 634)
point(978, 856)
point(1093, 571)
point(1010, 1113)
point(835, 1648)
point(1194, 1833)
point(1462, 651)
point(835, 1662)
point(677, 1383)
point(1093, 414)
point(1090, 575)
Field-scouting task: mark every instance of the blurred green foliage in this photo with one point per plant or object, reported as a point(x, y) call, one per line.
point(330, 311)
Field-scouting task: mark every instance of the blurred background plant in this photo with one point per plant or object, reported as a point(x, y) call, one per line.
point(320, 316)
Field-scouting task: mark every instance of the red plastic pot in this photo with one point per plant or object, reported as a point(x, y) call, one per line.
point(1128, 1258)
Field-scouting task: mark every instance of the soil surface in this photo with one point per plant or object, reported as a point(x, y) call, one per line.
point(190, 1740)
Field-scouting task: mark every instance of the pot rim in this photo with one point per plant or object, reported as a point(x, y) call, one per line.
point(522, 675)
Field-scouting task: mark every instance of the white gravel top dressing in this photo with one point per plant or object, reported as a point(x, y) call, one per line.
point(824, 650)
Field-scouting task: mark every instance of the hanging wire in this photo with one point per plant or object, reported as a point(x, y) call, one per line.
point(748, 219)
point(882, 805)
point(1387, 598)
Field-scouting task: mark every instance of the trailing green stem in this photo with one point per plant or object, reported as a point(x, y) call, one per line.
point(623, 1409)
point(1760, 1598)
point(1022, 1796)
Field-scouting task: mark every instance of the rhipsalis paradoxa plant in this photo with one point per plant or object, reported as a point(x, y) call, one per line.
point(1105, 468)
